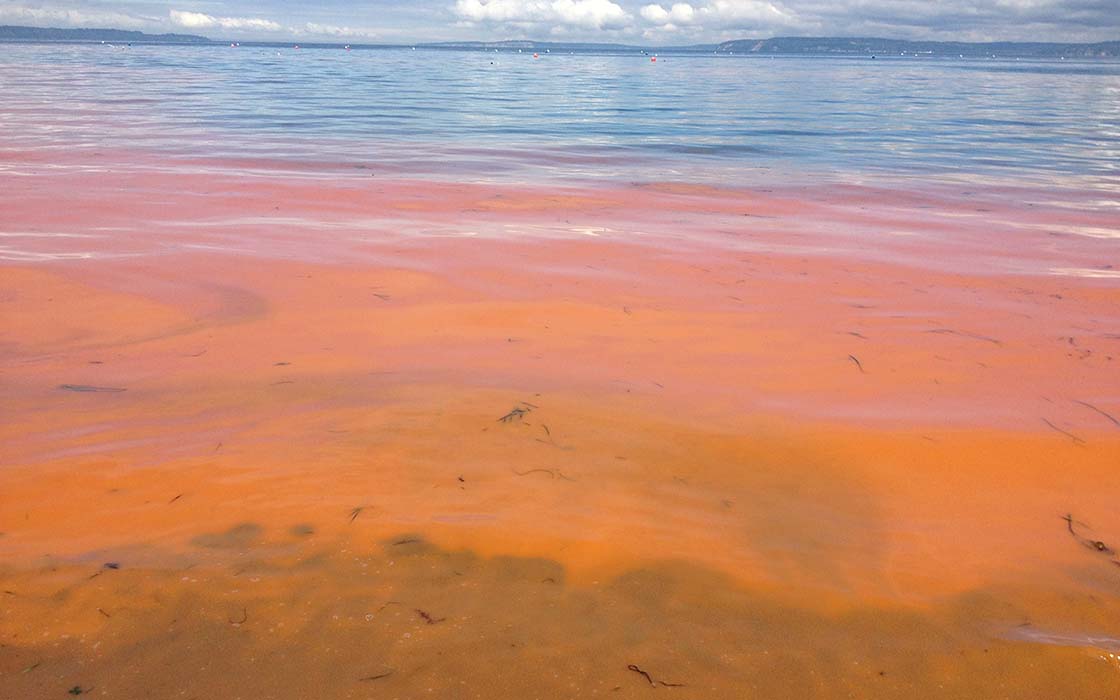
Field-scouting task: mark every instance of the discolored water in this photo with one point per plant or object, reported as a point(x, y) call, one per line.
point(445, 374)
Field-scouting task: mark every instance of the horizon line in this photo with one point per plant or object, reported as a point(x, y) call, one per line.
point(371, 41)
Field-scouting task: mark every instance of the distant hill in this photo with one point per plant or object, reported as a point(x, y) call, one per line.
point(818, 46)
point(13, 33)
point(798, 45)
point(894, 47)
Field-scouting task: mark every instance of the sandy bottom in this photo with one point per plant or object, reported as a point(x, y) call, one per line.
point(279, 436)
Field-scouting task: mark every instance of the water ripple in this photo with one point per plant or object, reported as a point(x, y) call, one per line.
point(709, 117)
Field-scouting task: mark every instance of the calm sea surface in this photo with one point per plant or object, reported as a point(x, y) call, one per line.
point(505, 115)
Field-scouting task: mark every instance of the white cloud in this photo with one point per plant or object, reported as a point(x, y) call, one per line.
point(331, 30)
point(40, 16)
point(754, 16)
point(587, 20)
point(198, 20)
point(588, 14)
point(746, 14)
point(679, 13)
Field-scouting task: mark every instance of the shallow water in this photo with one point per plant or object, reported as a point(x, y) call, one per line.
point(507, 116)
point(346, 404)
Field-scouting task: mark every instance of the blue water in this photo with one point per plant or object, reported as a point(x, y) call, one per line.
point(486, 115)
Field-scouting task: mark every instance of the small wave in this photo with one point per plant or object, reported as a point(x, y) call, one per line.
point(1037, 636)
point(1093, 273)
point(32, 256)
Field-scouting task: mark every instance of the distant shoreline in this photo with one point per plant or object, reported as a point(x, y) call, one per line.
point(20, 34)
point(788, 46)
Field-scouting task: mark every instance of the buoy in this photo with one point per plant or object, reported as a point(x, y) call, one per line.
point(653, 59)
point(536, 55)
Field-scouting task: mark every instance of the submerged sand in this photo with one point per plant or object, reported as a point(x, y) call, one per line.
point(274, 434)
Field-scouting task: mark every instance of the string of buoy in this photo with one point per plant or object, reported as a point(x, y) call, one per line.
point(536, 55)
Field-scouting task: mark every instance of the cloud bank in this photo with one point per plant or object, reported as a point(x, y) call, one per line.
point(52, 16)
point(965, 20)
point(585, 14)
point(198, 20)
point(683, 21)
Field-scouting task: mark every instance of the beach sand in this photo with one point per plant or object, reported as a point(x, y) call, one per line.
point(286, 434)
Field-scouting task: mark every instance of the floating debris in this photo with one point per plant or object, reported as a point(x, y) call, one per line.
point(965, 334)
point(86, 389)
point(649, 678)
point(517, 412)
point(1094, 408)
point(855, 359)
point(1071, 436)
point(428, 618)
point(553, 473)
point(377, 677)
point(1095, 545)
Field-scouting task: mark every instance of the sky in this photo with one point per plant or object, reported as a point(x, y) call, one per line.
point(662, 22)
